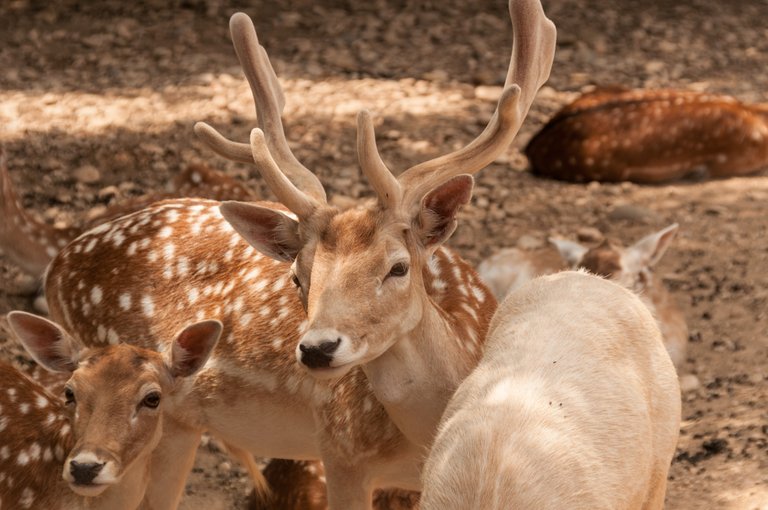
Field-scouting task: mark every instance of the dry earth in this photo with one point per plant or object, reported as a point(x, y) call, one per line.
point(97, 102)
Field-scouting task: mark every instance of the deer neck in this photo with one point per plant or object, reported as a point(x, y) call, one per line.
point(417, 376)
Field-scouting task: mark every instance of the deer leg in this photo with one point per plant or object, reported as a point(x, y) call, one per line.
point(172, 461)
point(346, 486)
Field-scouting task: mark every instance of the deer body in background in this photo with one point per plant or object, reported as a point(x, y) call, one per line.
point(383, 320)
point(92, 449)
point(631, 267)
point(651, 136)
point(31, 244)
point(574, 404)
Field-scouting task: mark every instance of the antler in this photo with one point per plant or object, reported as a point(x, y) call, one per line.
point(531, 61)
point(269, 100)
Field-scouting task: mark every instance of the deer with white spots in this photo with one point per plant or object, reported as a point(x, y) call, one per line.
point(383, 320)
point(574, 404)
point(631, 267)
point(651, 136)
point(91, 449)
point(31, 244)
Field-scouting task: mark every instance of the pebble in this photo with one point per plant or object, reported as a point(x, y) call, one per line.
point(87, 174)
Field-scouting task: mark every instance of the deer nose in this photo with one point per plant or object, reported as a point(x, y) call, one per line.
point(319, 356)
point(85, 472)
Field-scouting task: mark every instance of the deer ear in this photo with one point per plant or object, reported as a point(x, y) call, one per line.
point(45, 341)
point(437, 215)
point(192, 347)
point(272, 232)
point(649, 250)
point(570, 252)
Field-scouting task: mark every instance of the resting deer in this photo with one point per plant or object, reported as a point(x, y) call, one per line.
point(92, 449)
point(574, 404)
point(651, 136)
point(631, 267)
point(32, 244)
point(384, 321)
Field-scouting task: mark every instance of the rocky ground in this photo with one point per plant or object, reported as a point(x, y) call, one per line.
point(97, 102)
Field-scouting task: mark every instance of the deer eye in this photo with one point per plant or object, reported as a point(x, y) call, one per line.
point(69, 395)
point(399, 269)
point(152, 400)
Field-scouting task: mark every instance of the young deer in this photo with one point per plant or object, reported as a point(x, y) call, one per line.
point(631, 267)
point(650, 136)
point(105, 429)
point(384, 321)
point(574, 404)
point(32, 244)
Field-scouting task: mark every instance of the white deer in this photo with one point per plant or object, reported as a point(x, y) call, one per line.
point(384, 321)
point(92, 449)
point(574, 404)
point(631, 267)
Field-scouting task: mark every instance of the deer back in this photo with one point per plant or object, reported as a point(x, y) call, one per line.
point(650, 136)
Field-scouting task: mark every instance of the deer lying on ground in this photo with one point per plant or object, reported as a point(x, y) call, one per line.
point(651, 136)
point(631, 267)
point(574, 404)
point(384, 321)
point(92, 449)
point(31, 244)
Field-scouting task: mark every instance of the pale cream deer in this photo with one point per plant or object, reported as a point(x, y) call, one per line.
point(384, 321)
point(631, 267)
point(574, 404)
point(90, 448)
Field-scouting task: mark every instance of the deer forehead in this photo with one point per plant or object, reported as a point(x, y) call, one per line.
point(131, 367)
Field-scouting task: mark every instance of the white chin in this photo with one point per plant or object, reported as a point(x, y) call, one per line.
point(89, 491)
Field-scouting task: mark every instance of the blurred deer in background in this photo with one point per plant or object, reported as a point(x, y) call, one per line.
point(384, 321)
point(91, 450)
point(31, 244)
point(631, 267)
point(574, 404)
point(651, 136)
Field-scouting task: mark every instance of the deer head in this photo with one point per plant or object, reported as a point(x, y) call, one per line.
point(362, 273)
point(114, 430)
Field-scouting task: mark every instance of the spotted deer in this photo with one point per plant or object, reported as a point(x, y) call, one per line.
point(616, 134)
point(574, 404)
point(383, 320)
point(31, 244)
point(631, 267)
point(90, 449)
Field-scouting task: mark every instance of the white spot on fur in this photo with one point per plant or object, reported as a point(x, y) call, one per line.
point(96, 295)
point(112, 337)
point(27, 498)
point(41, 402)
point(147, 305)
point(125, 301)
point(101, 333)
point(193, 294)
point(90, 245)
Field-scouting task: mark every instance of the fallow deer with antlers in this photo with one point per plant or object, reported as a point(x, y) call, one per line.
point(384, 321)
point(91, 449)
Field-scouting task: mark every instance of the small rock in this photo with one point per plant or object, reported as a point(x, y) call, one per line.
point(225, 467)
point(108, 192)
point(631, 213)
point(589, 235)
point(87, 174)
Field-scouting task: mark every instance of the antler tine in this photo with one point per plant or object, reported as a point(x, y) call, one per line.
point(269, 100)
point(289, 195)
point(531, 61)
point(381, 178)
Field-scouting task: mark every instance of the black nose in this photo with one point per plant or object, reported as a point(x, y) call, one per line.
point(319, 356)
point(84, 473)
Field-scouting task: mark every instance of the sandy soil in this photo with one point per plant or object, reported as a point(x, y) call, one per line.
point(116, 86)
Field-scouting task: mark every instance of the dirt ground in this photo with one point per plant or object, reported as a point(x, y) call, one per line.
point(98, 99)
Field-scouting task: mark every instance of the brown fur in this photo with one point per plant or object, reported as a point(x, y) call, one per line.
point(650, 136)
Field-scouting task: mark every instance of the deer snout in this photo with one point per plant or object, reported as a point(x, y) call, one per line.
point(317, 348)
point(83, 473)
